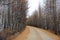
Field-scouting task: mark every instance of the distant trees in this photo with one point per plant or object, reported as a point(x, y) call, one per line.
point(32, 20)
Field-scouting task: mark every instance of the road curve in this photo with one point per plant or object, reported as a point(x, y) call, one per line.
point(32, 33)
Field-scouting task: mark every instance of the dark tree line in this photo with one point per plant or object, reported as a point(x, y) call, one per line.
point(13, 17)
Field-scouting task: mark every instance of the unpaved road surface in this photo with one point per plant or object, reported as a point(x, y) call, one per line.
point(32, 33)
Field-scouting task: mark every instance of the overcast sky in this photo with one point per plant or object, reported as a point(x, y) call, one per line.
point(33, 5)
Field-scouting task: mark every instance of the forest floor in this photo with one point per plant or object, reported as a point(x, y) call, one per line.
point(43, 34)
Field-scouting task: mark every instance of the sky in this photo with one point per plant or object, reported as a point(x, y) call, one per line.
point(33, 5)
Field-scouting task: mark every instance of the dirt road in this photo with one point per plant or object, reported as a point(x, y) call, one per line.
point(32, 33)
